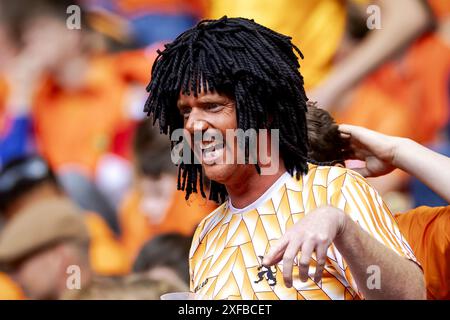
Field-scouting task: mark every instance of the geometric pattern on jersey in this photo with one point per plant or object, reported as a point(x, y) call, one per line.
point(225, 256)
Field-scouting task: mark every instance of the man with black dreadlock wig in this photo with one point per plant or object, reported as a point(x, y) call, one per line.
point(306, 231)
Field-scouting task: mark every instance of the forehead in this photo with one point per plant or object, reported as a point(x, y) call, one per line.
point(204, 97)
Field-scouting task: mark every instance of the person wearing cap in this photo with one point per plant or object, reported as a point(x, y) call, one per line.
point(27, 182)
point(45, 248)
point(40, 246)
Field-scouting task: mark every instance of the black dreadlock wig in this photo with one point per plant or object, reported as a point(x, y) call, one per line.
point(248, 62)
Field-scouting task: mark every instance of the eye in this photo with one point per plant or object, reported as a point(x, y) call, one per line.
point(213, 107)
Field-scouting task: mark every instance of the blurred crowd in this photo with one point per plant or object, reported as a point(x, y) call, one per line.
point(86, 180)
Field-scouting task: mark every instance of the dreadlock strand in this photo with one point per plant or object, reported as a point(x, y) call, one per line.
point(256, 66)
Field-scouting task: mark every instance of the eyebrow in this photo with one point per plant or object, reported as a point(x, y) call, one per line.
point(203, 100)
point(216, 99)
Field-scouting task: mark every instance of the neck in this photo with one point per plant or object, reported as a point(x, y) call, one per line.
point(251, 185)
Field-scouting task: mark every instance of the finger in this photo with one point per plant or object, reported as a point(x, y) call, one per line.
point(346, 128)
point(358, 136)
point(366, 137)
point(321, 258)
point(276, 252)
point(305, 260)
point(351, 130)
point(273, 258)
point(288, 261)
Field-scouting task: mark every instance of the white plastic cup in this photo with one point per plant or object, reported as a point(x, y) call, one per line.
point(179, 296)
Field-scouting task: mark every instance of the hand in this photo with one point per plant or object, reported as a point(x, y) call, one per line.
point(376, 149)
point(23, 75)
point(314, 233)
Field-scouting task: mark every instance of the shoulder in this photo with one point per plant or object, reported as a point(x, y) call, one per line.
point(207, 224)
point(209, 221)
point(431, 211)
point(425, 216)
point(329, 176)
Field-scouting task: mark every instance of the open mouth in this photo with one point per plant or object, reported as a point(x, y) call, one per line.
point(211, 152)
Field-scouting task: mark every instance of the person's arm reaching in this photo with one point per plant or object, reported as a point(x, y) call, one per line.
point(401, 22)
point(384, 153)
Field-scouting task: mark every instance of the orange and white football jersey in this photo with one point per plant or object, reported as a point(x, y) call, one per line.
point(228, 245)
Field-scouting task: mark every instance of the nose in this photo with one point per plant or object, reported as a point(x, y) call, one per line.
point(196, 123)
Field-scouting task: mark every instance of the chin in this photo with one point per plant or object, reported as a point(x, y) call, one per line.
point(220, 173)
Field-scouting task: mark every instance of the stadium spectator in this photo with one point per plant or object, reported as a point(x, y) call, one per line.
point(40, 245)
point(166, 256)
point(27, 182)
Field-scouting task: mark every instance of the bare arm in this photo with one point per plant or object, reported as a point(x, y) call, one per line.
point(430, 167)
point(400, 278)
point(401, 22)
point(384, 153)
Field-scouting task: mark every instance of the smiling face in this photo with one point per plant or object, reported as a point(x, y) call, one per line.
point(211, 114)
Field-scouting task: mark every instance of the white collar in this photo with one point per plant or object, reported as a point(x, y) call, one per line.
point(263, 198)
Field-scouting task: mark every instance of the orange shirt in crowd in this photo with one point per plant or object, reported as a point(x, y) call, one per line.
point(107, 255)
point(427, 230)
point(9, 290)
point(403, 93)
point(77, 127)
point(441, 9)
point(135, 66)
point(181, 216)
point(411, 90)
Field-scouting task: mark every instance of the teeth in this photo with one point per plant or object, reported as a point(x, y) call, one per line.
point(210, 149)
point(211, 145)
point(209, 156)
point(206, 145)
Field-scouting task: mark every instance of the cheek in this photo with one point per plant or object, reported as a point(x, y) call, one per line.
point(40, 269)
point(31, 276)
point(225, 119)
point(231, 118)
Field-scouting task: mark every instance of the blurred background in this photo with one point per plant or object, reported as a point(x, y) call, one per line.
point(74, 137)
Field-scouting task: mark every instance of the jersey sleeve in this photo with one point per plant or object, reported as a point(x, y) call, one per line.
point(362, 203)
